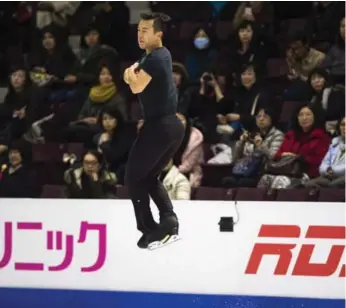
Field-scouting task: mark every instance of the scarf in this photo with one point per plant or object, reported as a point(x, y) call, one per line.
point(102, 93)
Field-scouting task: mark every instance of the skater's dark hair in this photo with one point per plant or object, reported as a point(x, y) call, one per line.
point(160, 20)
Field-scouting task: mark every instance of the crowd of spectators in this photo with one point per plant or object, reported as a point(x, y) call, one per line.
point(260, 85)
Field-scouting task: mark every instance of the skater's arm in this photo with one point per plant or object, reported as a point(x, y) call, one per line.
point(138, 81)
point(141, 74)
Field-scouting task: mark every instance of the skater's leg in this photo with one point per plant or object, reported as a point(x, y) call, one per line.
point(138, 189)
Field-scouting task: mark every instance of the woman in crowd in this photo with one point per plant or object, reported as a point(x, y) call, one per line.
point(248, 99)
point(105, 93)
point(189, 156)
point(247, 48)
point(19, 109)
point(86, 71)
point(115, 140)
point(253, 149)
point(202, 54)
point(92, 180)
point(176, 183)
point(335, 58)
point(211, 99)
point(330, 99)
point(18, 179)
point(259, 11)
point(306, 144)
point(53, 57)
point(332, 168)
point(181, 80)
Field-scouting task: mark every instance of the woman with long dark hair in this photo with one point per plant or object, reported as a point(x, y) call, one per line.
point(115, 140)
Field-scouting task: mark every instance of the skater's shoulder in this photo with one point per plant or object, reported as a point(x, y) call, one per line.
point(160, 53)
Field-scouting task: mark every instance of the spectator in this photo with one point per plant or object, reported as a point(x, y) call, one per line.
point(18, 179)
point(253, 149)
point(20, 107)
point(324, 22)
point(189, 156)
point(92, 55)
point(260, 12)
point(176, 183)
point(332, 168)
point(247, 49)
point(330, 99)
point(181, 79)
point(112, 18)
point(212, 99)
point(53, 57)
point(106, 93)
point(248, 98)
point(301, 60)
point(307, 142)
point(55, 12)
point(115, 141)
point(92, 180)
point(18, 95)
point(335, 59)
point(202, 53)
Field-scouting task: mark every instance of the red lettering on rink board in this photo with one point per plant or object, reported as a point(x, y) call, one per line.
point(303, 252)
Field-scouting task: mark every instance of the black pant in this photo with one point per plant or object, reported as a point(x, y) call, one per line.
point(157, 142)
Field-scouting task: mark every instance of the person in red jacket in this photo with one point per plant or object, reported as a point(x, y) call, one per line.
point(308, 140)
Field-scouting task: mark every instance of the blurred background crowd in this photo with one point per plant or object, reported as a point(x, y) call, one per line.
point(261, 91)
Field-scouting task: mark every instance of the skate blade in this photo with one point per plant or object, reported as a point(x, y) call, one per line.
point(159, 244)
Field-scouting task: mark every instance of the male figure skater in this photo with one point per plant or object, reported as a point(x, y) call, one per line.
point(159, 138)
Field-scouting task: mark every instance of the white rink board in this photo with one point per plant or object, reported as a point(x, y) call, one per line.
point(206, 261)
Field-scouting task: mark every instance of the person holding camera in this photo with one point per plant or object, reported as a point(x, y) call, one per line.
point(252, 149)
point(211, 100)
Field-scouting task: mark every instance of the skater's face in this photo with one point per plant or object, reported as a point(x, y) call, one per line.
point(48, 41)
point(147, 36)
point(317, 82)
point(90, 164)
point(92, 38)
point(263, 120)
point(105, 77)
point(15, 158)
point(108, 122)
point(18, 79)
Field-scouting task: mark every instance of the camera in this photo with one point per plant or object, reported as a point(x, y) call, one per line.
point(207, 78)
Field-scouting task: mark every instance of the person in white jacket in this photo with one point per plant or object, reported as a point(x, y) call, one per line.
point(332, 168)
point(176, 184)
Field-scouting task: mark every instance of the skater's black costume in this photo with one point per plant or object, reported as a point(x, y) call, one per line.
point(157, 142)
